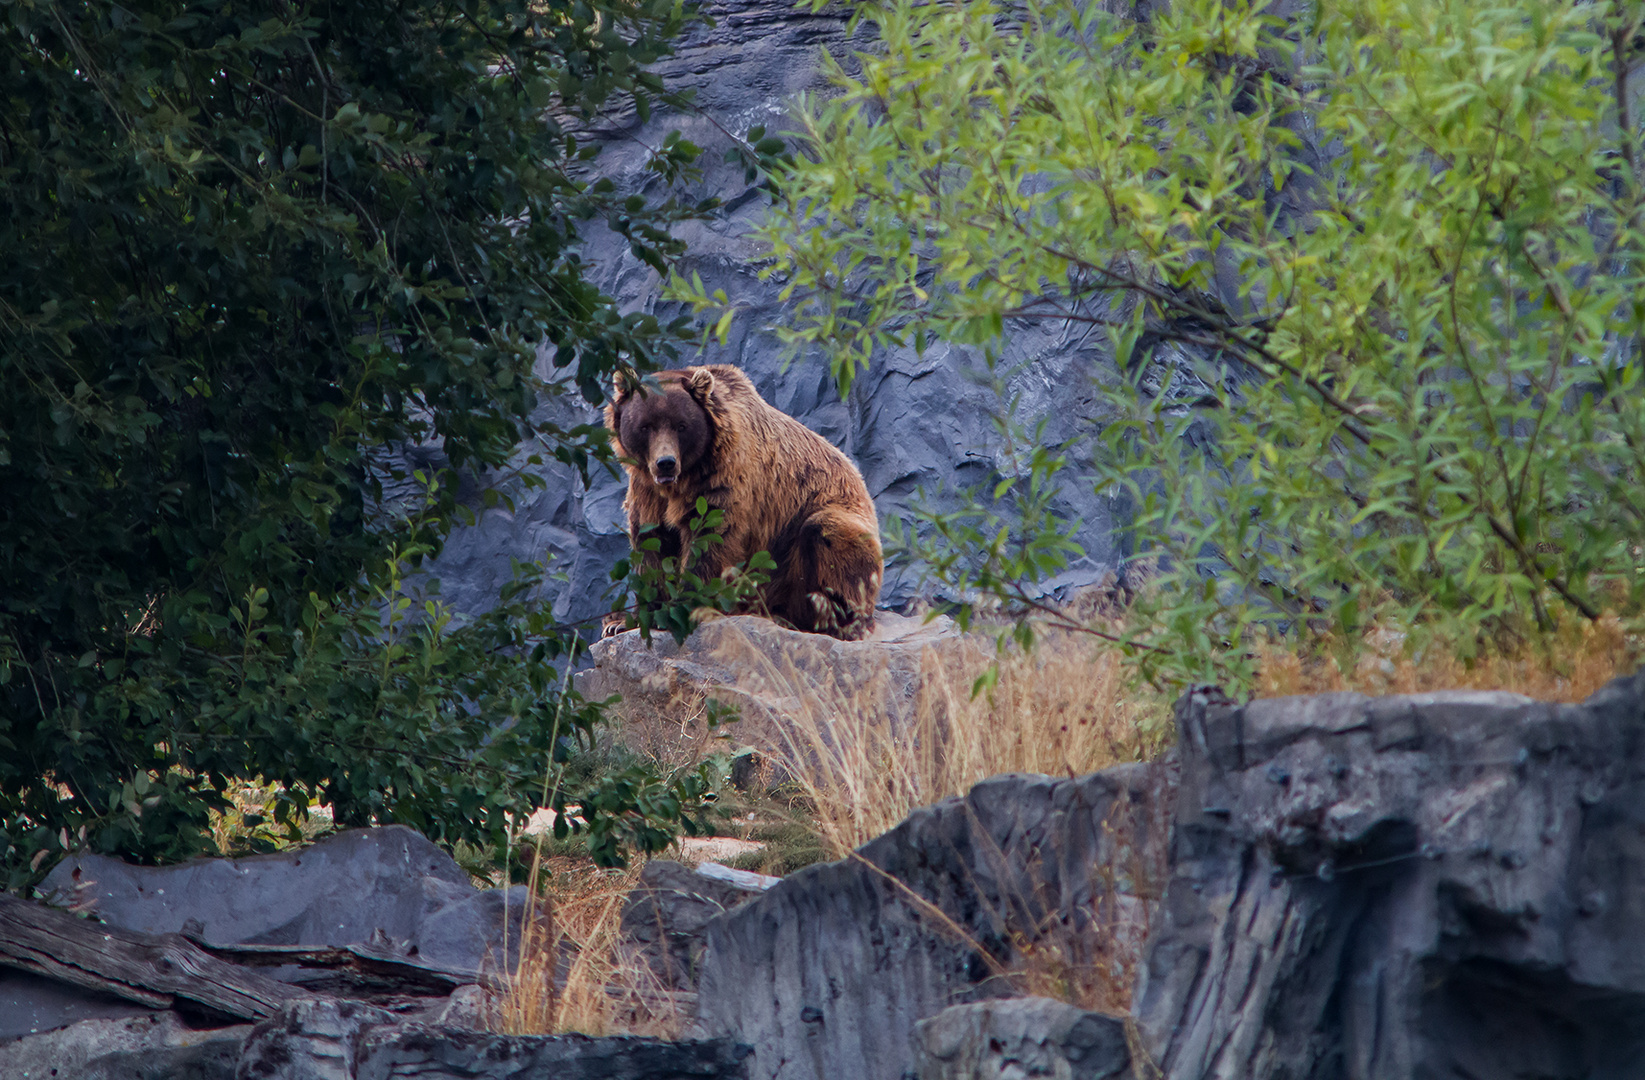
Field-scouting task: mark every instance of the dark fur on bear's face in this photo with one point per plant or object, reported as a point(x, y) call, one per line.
point(667, 432)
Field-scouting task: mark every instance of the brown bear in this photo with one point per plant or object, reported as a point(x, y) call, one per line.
point(781, 487)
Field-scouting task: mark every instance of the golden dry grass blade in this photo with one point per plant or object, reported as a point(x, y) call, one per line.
point(1063, 709)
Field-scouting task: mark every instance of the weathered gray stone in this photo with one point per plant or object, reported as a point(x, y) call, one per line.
point(156, 1046)
point(771, 674)
point(388, 884)
point(310, 1040)
point(332, 1041)
point(826, 974)
point(469, 1008)
point(31, 1004)
point(1020, 1038)
point(336, 892)
point(666, 915)
point(1440, 885)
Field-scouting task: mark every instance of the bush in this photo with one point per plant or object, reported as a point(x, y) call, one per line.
point(251, 249)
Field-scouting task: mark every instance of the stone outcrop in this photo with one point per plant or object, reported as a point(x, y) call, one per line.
point(912, 423)
point(389, 889)
point(156, 1046)
point(1439, 885)
point(1020, 1038)
point(827, 973)
point(30, 1004)
point(1443, 885)
point(771, 675)
point(346, 1040)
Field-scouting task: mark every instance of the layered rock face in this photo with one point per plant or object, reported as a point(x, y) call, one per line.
point(1440, 885)
point(909, 422)
point(827, 973)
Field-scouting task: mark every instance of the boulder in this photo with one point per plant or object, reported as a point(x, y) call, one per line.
point(156, 1046)
point(1019, 1038)
point(346, 1041)
point(666, 915)
point(386, 885)
point(1436, 885)
point(1027, 881)
point(770, 674)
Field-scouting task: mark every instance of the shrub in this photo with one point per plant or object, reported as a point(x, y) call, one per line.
point(252, 250)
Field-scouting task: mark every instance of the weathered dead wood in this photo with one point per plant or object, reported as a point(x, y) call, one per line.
point(157, 970)
point(368, 965)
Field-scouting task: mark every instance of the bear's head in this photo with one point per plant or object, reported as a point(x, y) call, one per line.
point(664, 427)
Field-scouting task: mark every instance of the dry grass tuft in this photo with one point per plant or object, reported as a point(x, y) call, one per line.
point(576, 973)
point(1566, 665)
point(1063, 709)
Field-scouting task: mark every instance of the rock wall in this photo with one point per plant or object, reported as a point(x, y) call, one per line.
point(1440, 885)
point(909, 422)
point(826, 974)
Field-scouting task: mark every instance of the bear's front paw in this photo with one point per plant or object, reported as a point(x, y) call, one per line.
point(614, 624)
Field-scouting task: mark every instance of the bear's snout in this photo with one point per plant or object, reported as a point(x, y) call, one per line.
point(665, 457)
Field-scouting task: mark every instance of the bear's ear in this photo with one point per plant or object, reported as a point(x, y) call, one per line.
point(700, 383)
point(621, 388)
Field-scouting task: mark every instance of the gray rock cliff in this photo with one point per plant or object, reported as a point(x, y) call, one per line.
point(909, 422)
point(1443, 885)
point(826, 974)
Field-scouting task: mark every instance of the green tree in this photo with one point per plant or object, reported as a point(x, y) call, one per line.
point(1383, 258)
point(250, 248)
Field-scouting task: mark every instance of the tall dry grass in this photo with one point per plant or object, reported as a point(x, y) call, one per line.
point(1062, 709)
point(576, 973)
point(1566, 664)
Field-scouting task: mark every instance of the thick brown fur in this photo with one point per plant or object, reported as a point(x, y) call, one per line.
point(781, 487)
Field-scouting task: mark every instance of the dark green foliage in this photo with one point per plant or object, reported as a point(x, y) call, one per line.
point(664, 595)
point(247, 247)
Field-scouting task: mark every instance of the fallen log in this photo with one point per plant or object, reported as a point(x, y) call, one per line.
point(157, 970)
point(367, 966)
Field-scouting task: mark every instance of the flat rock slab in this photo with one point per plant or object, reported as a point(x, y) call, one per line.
point(773, 676)
point(390, 885)
point(389, 889)
point(30, 1004)
point(157, 1046)
point(340, 1041)
point(1019, 1038)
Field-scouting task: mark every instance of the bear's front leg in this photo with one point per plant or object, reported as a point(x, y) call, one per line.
point(644, 562)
